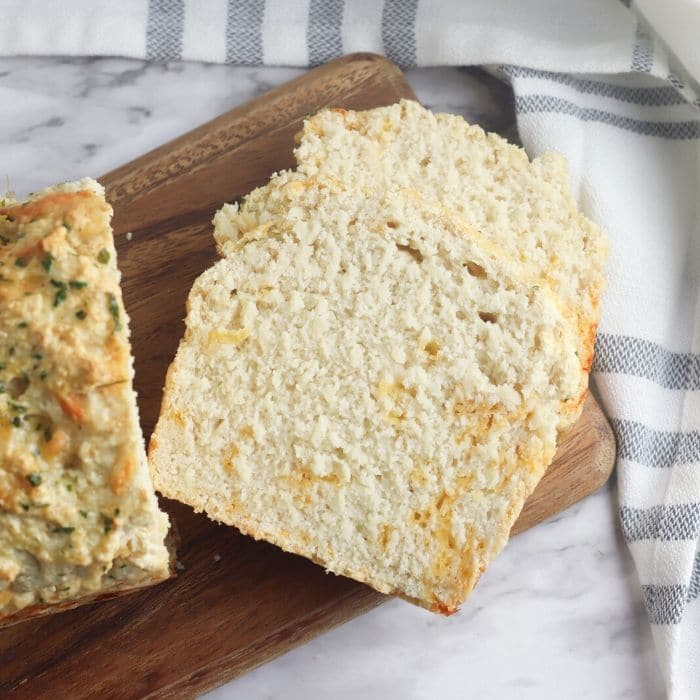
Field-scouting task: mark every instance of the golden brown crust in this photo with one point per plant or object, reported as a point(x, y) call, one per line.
point(78, 517)
point(49, 204)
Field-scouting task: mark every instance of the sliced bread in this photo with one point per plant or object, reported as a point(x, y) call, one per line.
point(369, 384)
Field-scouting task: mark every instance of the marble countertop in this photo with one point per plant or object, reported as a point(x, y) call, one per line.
point(558, 615)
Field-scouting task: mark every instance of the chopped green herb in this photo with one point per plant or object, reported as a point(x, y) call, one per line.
point(116, 512)
point(77, 284)
point(3, 388)
point(37, 356)
point(114, 310)
point(17, 407)
point(60, 296)
point(83, 513)
point(4, 240)
point(34, 479)
point(62, 292)
point(42, 375)
point(62, 529)
point(16, 421)
point(67, 226)
point(24, 506)
point(11, 351)
point(103, 256)
point(82, 314)
point(48, 434)
point(21, 262)
point(22, 324)
point(47, 262)
point(62, 590)
point(2, 366)
point(69, 487)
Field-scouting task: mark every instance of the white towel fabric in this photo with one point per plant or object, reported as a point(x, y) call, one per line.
point(593, 80)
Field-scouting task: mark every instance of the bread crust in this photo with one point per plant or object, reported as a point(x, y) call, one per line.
point(78, 515)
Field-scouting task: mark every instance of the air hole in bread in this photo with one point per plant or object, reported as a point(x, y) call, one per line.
point(17, 386)
point(392, 224)
point(415, 254)
point(425, 162)
point(233, 292)
point(30, 576)
point(475, 270)
point(74, 462)
point(488, 317)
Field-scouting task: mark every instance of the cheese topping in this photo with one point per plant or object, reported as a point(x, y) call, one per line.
point(77, 510)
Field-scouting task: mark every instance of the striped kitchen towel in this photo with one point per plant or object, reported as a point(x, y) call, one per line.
point(610, 86)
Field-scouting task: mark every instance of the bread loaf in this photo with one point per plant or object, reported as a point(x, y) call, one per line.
point(78, 516)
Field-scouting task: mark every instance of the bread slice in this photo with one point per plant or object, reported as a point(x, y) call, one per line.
point(79, 519)
point(524, 206)
point(369, 385)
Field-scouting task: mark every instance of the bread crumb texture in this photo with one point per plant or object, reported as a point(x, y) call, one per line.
point(78, 515)
point(376, 373)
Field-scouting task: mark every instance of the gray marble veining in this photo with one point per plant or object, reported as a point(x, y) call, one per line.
point(558, 615)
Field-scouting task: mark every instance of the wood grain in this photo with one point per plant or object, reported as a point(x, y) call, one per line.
point(237, 603)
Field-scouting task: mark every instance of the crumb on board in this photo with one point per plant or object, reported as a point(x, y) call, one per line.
point(217, 558)
point(179, 566)
point(129, 235)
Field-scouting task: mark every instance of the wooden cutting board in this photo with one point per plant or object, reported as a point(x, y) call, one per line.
point(237, 602)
